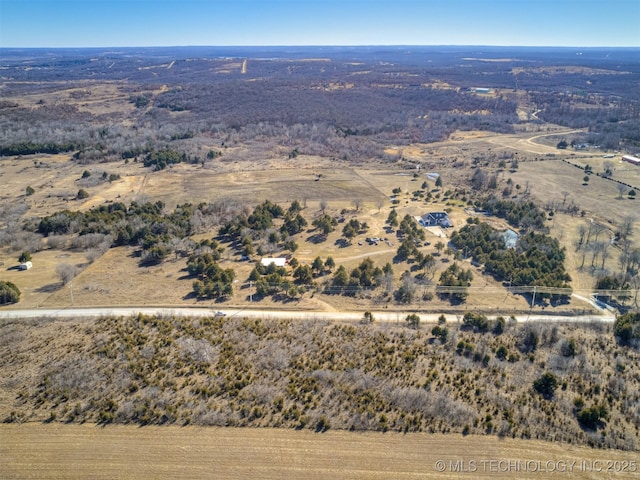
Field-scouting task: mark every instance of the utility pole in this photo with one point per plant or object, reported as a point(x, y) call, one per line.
point(533, 300)
point(71, 290)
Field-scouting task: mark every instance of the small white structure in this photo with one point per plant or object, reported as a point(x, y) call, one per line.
point(630, 159)
point(278, 261)
point(25, 266)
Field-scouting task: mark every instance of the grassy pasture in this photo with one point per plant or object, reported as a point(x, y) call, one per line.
point(548, 180)
point(116, 278)
point(599, 198)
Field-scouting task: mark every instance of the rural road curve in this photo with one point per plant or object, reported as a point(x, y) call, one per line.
point(386, 316)
point(528, 143)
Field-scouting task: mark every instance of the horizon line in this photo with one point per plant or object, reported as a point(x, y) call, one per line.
point(387, 45)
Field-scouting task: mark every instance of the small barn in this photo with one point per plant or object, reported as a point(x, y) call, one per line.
point(25, 266)
point(631, 160)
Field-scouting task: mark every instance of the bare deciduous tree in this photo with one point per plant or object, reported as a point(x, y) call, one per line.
point(622, 189)
point(608, 168)
point(66, 272)
point(57, 242)
point(604, 253)
point(598, 228)
point(626, 227)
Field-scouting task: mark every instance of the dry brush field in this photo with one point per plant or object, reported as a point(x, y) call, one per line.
point(322, 375)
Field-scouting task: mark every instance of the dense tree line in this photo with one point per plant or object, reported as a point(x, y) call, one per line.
point(351, 123)
point(317, 374)
point(523, 214)
point(365, 276)
point(256, 231)
point(409, 228)
point(385, 105)
point(611, 122)
point(537, 260)
point(293, 222)
point(28, 148)
point(353, 228)
point(325, 223)
point(276, 281)
point(140, 224)
point(260, 220)
point(162, 158)
point(360, 111)
point(627, 328)
point(287, 283)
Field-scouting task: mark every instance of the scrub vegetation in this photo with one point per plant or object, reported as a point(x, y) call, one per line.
point(487, 376)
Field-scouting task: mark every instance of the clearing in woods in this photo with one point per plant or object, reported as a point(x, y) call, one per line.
point(86, 451)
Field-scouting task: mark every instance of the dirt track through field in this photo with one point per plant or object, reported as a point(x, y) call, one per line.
point(529, 144)
point(57, 451)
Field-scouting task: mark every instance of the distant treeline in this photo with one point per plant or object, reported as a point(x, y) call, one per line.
point(29, 148)
point(612, 122)
point(351, 105)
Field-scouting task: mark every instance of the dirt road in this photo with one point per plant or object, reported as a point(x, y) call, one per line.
point(382, 316)
point(528, 144)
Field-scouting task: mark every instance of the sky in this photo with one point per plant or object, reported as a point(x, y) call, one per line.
point(121, 23)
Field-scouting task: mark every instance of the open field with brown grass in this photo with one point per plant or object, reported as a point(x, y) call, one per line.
point(116, 278)
point(87, 451)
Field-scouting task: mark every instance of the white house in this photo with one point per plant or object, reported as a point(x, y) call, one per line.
point(435, 219)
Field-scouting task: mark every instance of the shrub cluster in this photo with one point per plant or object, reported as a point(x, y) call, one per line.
point(143, 224)
point(9, 293)
point(455, 276)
